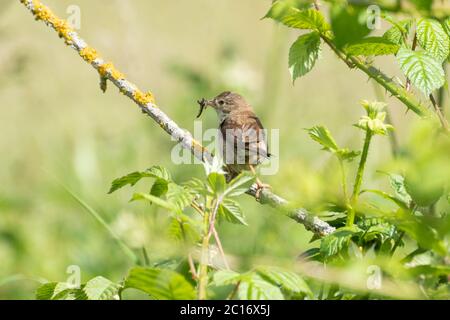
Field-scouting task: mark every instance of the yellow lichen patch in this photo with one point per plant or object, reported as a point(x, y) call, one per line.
point(143, 98)
point(108, 67)
point(63, 29)
point(88, 54)
point(42, 12)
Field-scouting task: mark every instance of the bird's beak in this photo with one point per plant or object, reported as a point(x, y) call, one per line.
point(203, 104)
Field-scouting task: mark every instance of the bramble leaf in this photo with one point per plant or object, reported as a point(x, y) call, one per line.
point(134, 177)
point(424, 71)
point(303, 54)
point(231, 212)
point(433, 38)
point(372, 46)
point(161, 284)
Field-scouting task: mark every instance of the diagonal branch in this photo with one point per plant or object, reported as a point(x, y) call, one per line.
point(146, 103)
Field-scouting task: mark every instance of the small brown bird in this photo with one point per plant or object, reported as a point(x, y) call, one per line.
point(243, 138)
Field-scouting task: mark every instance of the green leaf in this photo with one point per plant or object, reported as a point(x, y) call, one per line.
point(54, 291)
point(398, 185)
point(239, 184)
point(283, 8)
point(217, 182)
point(423, 70)
point(323, 136)
point(159, 187)
point(179, 196)
point(225, 277)
point(433, 38)
point(161, 284)
point(183, 228)
point(287, 280)
point(397, 33)
point(231, 212)
point(422, 4)
point(256, 288)
point(387, 196)
point(372, 46)
point(334, 243)
point(158, 201)
point(303, 54)
point(309, 19)
point(348, 155)
point(349, 24)
point(100, 288)
point(132, 178)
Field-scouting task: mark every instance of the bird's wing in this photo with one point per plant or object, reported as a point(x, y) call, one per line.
point(244, 134)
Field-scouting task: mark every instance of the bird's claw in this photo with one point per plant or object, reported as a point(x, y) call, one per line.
point(259, 188)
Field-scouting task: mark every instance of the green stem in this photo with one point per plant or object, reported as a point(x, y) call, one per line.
point(398, 92)
point(203, 268)
point(359, 178)
point(344, 181)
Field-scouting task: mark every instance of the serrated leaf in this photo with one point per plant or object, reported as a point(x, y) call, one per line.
point(217, 182)
point(388, 196)
point(100, 288)
point(55, 291)
point(225, 277)
point(397, 33)
point(287, 280)
point(239, 184)
point(183, 228)
point(372, 46)
point(348, 155)
point(134, 177)
point(282, 8)
point(309, 19)
point(303, 54)
point(323, 136)
point(159, 187)
point(398, 185)
point(231, 212)
point(424, 71)
point(433, 38)
point(160, 283)
point(179, 196)
point(256, 288)
point(158, 201)
point(334, 243)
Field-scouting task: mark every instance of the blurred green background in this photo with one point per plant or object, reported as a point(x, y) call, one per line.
point(58, 129)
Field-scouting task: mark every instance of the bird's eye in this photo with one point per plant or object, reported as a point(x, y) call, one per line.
point(221, 102)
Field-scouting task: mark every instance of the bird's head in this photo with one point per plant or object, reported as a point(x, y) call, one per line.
point(224, 103)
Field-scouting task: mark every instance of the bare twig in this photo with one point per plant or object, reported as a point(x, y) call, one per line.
point(146, 104)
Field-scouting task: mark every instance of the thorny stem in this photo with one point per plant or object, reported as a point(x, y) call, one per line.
point(441, 117)
point(359, 178)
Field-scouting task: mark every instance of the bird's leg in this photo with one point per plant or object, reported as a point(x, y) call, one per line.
point(259, 184)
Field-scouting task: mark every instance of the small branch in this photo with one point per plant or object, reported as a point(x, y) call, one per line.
point(192, 267)
point(146, 104)
point(398, 92)
point(441, 117)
